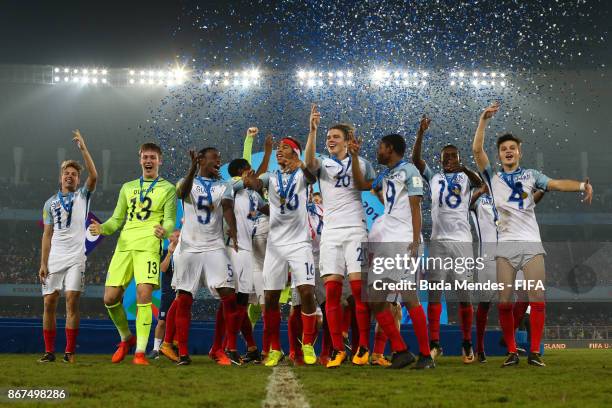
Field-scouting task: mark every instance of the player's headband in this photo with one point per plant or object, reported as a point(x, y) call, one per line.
point(291, 143)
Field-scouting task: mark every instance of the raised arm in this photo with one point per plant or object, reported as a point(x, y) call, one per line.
point(247, 149)
point(415, 210)
point(92, 174)
point(164, 230)
point(359, 179)
point(482, 160)
point(43, 272)
point(183, 188)
point(416, 157)
point(268, 145)
point(573, 185)
point(115, 221)
point(311, 144)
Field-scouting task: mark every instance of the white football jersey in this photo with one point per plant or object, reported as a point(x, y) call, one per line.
point(513, 199)
point(451, 194)
point(484, 217)
point(341, 200)
point(203, 226)
point(288, 215)
point(397, 184)
point(315, 221)
point(68, 214)
point(246, 205)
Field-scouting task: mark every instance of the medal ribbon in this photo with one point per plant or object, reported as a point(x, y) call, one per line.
point(153, 183)
point(284, 191)
point(207, 185)
point(342, 171)
point(379, 179)
point(67, 205)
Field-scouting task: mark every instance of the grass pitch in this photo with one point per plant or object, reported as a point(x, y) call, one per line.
point(573, 378)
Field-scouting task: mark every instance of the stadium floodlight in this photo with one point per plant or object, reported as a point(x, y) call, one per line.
point(424, 74)
point(226, 74)
point(483, 83)
point(475, 82)
point(493, 74)
point(142, 73)
point(226, 82)
point(475, 73)
point(502, 83)
point(311, 74)
point(75, 79)
point(86, 71)
point(349, 74)
point(56, 70)
point(150, 82)
point(301, 74)
point(142, 81)
point(66, 79)
point(104, 72)
point(340, 82)
point(95, 80)
point(453, 83)
point(95, 71)
point(349, 82)
point(132, 72)
point(85, 80)
point(66, 70)
point(311, 82)
point(453, 74)
point(76, 71)
point(461, 74)
point(502, 75)
point(131, 80)
point(330, 74)
point(340, 74)
point(151, 73)
point(207, 81)
point(56, 79)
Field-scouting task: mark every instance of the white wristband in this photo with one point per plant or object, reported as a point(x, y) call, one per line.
point(582, 186)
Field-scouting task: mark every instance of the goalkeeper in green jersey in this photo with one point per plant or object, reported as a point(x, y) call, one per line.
point(147, 209)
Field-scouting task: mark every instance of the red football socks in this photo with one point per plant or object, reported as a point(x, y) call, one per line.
point(537, 318)
point(362, 313)
point(419, 324)
point(170, 323)
point(219, 329)
point(71, 336)
point(333, 310)
point(183, 321)
point(506, 321)
point(49, 337)
point(482, 315)
point(466, 314)
point(387, 323)
point(245, 326)
point(272, 327)
point(380, 341)
point(232, 320)
point(434, 310)
point(309, 328)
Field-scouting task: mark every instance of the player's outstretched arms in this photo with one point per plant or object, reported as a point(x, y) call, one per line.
point(268, 146)
point(417, 222)
point(247, 149)
point(183, 188)
point(359, 179)
point(43, 272)
point(416, 156)
point(92, 174)
point(573, 185)
point(311, 144)
point(482, 160)
point(115, 221)
point(538, 195)
point(476, 195)
point(230, 219)
point(165, 229)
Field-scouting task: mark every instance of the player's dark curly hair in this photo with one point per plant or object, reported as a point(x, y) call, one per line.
point(396, 141)
point(237, 166)
point(206, 150)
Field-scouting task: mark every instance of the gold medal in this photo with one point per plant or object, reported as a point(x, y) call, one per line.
point(140, 205)
point(457, 191)
point(253, 214)
point(211, 207)
point(524, 195)
point(283, 201)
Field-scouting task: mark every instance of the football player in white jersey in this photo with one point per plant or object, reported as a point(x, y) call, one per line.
point(397, 233)
point(484, 218)
point(247, 205)
point(343, 234)
point(289, 246)
point(451, 236)
point(207, 201)
point(519, 244)
point(62, 261)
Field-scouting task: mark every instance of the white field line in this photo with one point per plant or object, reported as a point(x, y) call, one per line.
point(284, 390)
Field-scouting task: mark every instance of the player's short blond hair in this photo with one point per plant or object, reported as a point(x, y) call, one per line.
point(71, 163)
point(345, 128)
point(150, 147)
